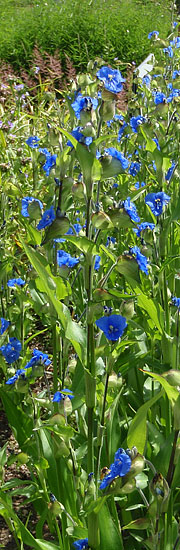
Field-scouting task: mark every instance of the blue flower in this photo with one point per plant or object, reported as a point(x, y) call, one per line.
point(134, 168)
point(169, 51)
point(19, 372)
point(78, 135)
point(153, 33)
point(175, 301)
point(121, 131)
point(33, 142)
point(137, 185)
point(18, 282)
point(175, 24)
point(159, 97)
point(119, 468)
point(157, 143)
point(157, 201)
point(64, 258)
point(111, 78)
point(141, 260)
point(136, 121)
point(112, 326)
point(81, 544)
point(110, 240)
point(146, 80)
point(142, 227)
point(117, 155)
point(11, 351)
point(47, 218)
point(38, 358)
point(50, 160)
point(170, 172)
point(97, 262)
point(4, 325)
point(130, 208)
point(83, 104)
point(175, 74)
point(58, 396)
point(25, 204)
point(175, 42)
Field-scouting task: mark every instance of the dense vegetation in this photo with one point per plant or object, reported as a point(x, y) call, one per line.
point(81, 29)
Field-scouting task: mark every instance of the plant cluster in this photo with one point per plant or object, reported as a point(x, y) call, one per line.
point(80, 29)
point(89, 252)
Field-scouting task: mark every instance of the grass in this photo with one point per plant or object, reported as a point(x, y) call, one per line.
point(83, 29)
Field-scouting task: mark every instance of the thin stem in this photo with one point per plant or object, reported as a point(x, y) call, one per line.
point(55, 379)
point(177, 343)
point(102, 427)
point(171, 462)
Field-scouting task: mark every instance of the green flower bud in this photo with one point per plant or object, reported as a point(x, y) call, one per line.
point(78, 190)
point(101, 220)
point(173, 377)
point(127, 309)
point(57, 228)
point(107, 110)
point(111, 167)
point(89, 130)
point(34, 210)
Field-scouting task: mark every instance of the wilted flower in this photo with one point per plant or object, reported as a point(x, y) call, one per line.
point(19, 373)
point(83, 104)
point(142, 227)
point(141, 260)
point(47, 218)
point(33, 142)
point(157, 201)
point(136, 121)
point(26, 201)
point(11, 351)
point(59, 395)
point(80, 544)
point(112, 326)
point(157, 143)
point(18, 282)
point(64, 258)
point(4, 325)
point(120, 467)
point(130, 208)
point(153, 33)
point(111, 78)
point(118, 156)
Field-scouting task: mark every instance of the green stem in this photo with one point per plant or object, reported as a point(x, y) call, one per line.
point(55, 378)
point(171, 462)
point(102, 428)
point(177, 343)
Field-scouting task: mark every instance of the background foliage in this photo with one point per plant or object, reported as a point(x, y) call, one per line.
point(80, 28)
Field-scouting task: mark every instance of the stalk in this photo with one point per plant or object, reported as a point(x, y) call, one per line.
point(101, 428)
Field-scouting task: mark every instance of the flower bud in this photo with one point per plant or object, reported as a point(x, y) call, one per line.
point(101, 220)
point(115, 381)
point(89, 130)
point(107, 110)
point(34, 210)
point(57, 228)
point(78, 190)
point(173, 377)
point(111, 166)
point(127, 309)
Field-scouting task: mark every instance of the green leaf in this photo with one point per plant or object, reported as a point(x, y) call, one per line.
point(141, 523)
point(138, 427)
point(76, 334)
point(153, 309)
point(82, 243)
point(110, 538)
point(171, 391)
point(91, 167)
point(40, 265)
